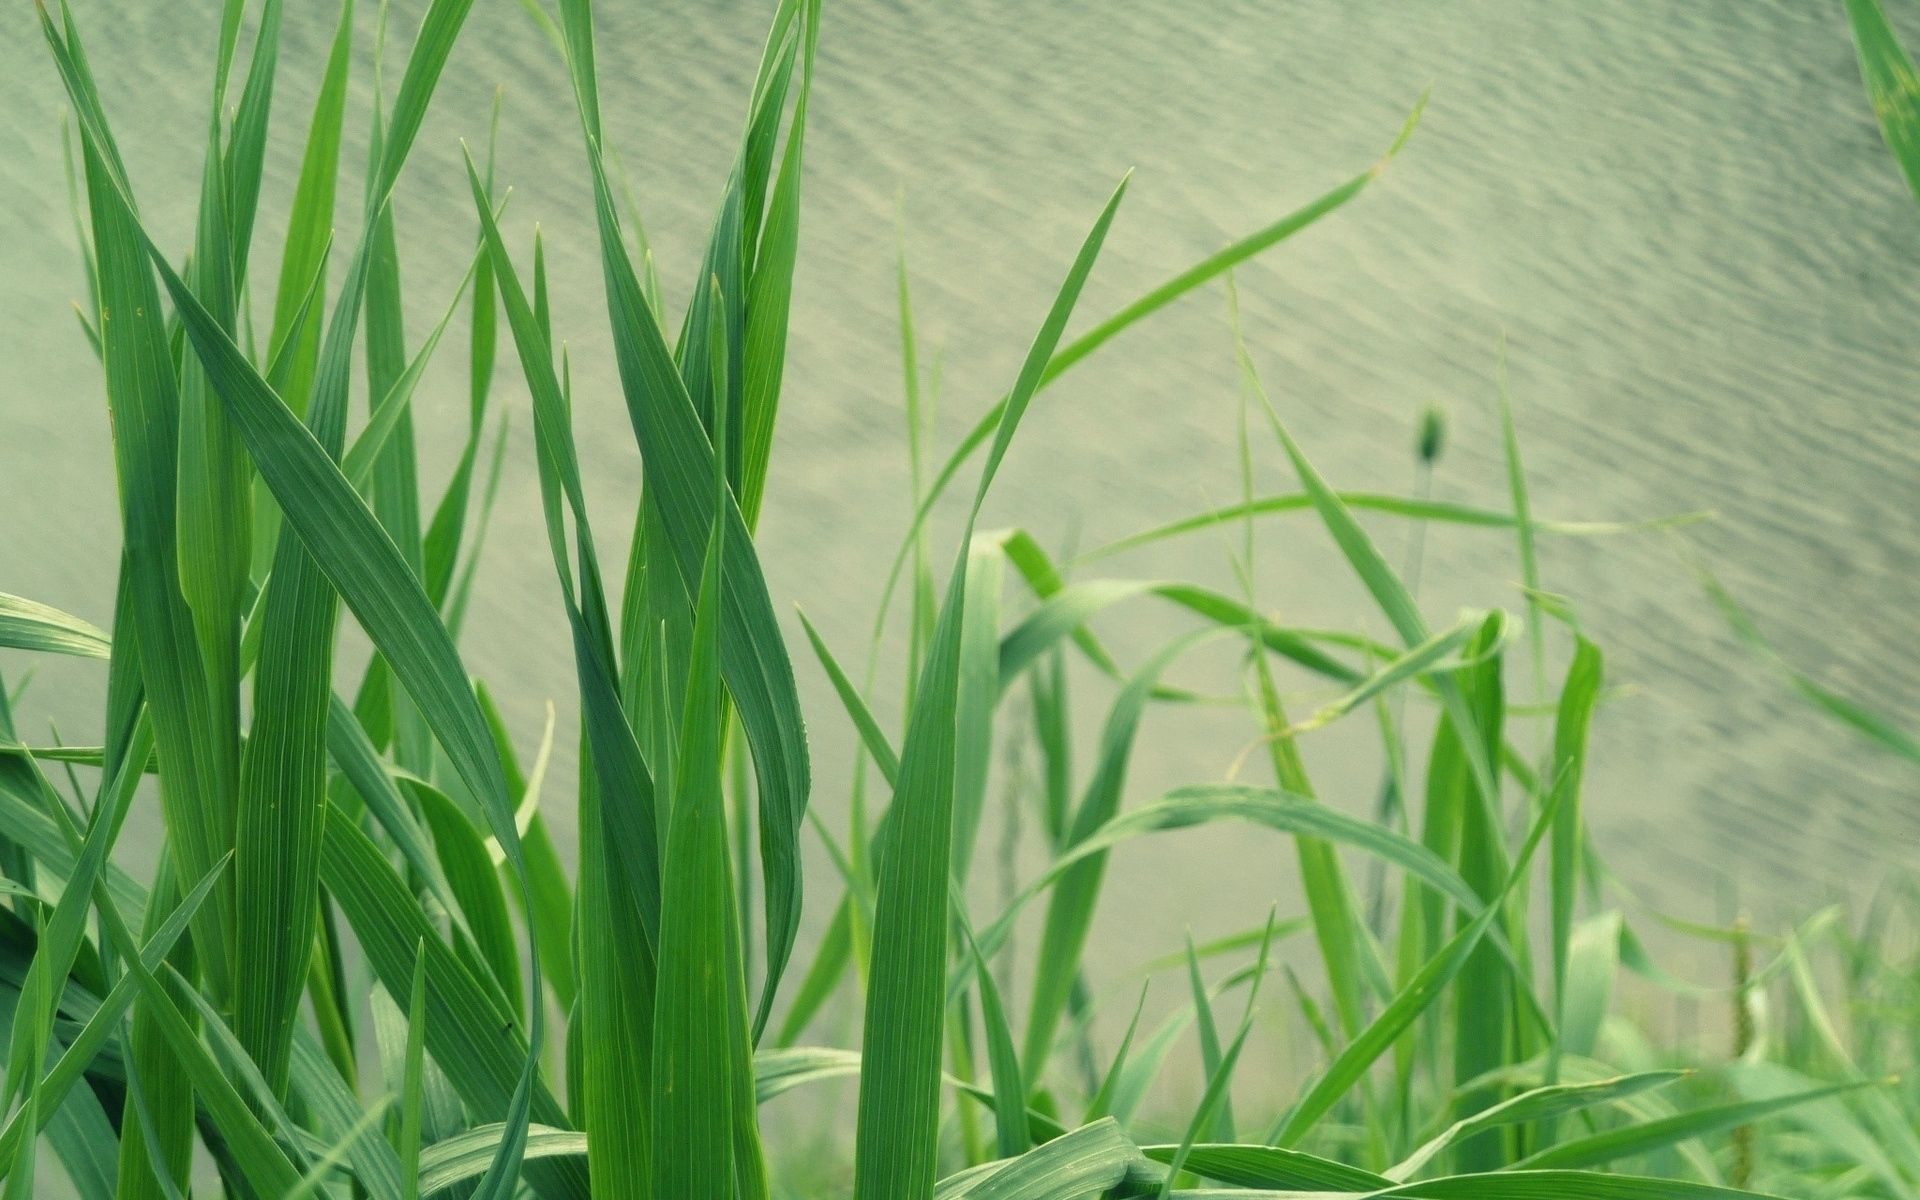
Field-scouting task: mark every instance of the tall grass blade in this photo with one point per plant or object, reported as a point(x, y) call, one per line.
point(143, 397)
point(693, 1111)
point(899, 1084)
point(678, 456)
point(1070, 909)
point(1578, 695)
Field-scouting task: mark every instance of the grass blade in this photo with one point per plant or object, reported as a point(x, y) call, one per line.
point(1088, 1161)
point(1892, 85)
point(1646, 1136)
point(1536, 1104)
point(899, 1085)
point(693, 1112)
point(1080, 348)
point(1070, 909)
point(29, 625)
point(1420, 992)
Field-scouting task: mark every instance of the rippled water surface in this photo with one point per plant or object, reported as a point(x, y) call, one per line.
point(1678, 215)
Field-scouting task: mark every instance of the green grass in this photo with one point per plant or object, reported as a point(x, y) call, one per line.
point(361, 969)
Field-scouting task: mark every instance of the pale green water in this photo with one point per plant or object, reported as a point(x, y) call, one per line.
point(1679, 214)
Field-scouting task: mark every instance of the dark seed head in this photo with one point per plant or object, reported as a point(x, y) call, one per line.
point(1433, 434)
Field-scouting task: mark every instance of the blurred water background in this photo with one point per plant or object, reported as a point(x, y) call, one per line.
point(1679, 217)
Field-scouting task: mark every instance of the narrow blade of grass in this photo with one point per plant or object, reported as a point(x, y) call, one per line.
point(899, 1086)
point(1070, 909)
point(1892, 85)
point(1647, 1136)
point(1080, 348)
point(1533, 1105)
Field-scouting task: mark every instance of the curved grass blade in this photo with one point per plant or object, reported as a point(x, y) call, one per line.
point(770, 292)
point(1189, 806)
point(411, 1078)
point(1645, 1136)
point(621, 888)
point(1421, 660)
point(470, 1029)
point(476, 887)
point(1270, 1167)
point(1066, 609)
point(447, 528)
point(100, 1028)
point(1386, 588)
point(346, 541)
point(1411, 507)
point(1011, 1133)
point(143, 397)
point(253, 1150)
point(977, 697)
point(1578, 695)
point(1088, 1161)
point(30, 625)
point(465, 1156)
point(1563, 1185)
